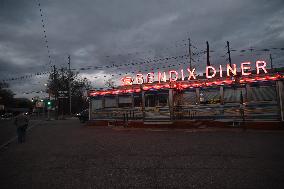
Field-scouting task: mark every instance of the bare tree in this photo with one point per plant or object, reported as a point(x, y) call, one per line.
point(110, 83)
point(59, 81)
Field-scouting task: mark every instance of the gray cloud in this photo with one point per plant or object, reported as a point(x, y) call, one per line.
point(118, 32)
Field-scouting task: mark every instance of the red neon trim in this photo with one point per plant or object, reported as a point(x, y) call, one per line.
point(183, 84)
point(137, 90)
point(145, 88)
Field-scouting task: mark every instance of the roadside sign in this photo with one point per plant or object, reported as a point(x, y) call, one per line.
point(62, 94)
point(39, 104)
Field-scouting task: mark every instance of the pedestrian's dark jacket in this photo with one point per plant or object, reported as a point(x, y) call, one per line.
point(21, 120)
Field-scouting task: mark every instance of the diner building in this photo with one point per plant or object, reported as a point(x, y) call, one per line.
point(238, 98)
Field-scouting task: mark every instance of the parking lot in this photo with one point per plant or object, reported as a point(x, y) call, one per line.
point(67, 154)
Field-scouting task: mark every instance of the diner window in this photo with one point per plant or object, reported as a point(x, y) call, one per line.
point(97, 104)
point(163, 99)
point(262, 93)
point(188, 97)
point(110, 102)
point(150, 100)
point(125, 101)
point(137, 100)
point(233, 94)
point(210, 95)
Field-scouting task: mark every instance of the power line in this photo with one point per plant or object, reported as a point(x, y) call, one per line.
point(44, 33)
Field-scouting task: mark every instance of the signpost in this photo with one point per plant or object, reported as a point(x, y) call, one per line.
point(62, 95)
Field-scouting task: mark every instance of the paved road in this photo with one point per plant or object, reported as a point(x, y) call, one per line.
point(65, 154)
point(8, 130)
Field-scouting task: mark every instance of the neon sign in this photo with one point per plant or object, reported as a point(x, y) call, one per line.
point(210, 72)
point(183, 85)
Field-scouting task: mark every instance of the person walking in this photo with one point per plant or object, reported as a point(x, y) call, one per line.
point(21, 121)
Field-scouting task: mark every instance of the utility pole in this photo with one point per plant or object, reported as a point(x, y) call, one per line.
point(62, 100)
point(55, 92)
point(69, 85)
point(271, 63)
point(229, 53)
point(207, 50)
point(208, 61)
point(189, 53)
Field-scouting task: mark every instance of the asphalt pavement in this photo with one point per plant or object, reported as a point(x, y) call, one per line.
point(7, 130)
point(67, 154)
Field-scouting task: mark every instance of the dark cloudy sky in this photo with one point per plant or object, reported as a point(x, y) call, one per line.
point(106, 32)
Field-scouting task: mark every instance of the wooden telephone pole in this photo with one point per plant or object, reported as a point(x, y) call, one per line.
point(229, 53)
point(55, 91)
point(189, 54)
point(208, 56)
point(69, 86)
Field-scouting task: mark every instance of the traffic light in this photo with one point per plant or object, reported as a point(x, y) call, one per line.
point(48, 104)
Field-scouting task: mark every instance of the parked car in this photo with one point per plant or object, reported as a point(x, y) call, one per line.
point(7, 116)
point(83, 116)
